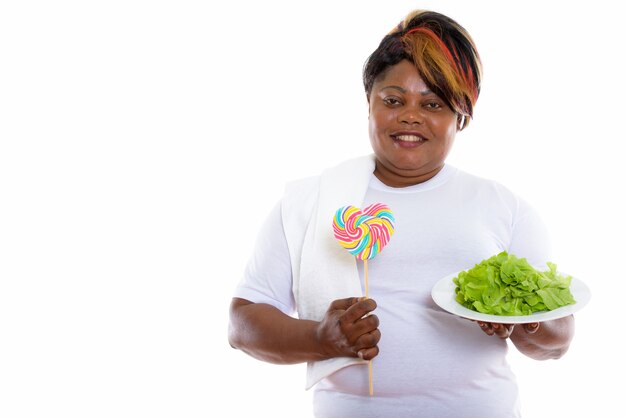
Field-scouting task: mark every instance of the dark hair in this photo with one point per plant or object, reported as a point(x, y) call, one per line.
point(443, 53)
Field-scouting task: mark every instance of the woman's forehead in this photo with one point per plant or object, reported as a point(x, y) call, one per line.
point(403, 77)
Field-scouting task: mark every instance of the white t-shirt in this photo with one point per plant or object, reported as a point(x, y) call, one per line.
point(431, 363)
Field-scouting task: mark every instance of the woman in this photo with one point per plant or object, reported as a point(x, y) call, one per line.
point(422, 83)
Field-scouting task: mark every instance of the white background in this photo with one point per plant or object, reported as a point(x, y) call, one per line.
point(142, 143)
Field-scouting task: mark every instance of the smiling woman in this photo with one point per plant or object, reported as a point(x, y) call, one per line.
point(301, 296)
point(422, 83)
point(142, 143)
point(411, 129)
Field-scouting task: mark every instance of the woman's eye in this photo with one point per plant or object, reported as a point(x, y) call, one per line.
point(391, 101)
point(433, 105)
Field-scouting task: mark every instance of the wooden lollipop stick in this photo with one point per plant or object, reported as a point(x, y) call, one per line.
point(366, 279)
point(369, 366)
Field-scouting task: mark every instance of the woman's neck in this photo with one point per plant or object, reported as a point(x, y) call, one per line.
point(396, 178)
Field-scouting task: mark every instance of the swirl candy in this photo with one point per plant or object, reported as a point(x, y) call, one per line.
point(364, 233)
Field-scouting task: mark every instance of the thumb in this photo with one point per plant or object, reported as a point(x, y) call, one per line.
point(531, 328)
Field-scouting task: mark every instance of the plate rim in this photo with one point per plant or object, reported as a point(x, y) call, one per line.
point(444, 297)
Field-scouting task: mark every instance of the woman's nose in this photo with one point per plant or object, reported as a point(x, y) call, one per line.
point(410, 115)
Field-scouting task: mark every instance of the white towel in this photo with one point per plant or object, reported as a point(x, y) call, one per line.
point(322, 270)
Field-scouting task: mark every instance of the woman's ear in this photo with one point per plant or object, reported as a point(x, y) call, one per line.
point(460, 122)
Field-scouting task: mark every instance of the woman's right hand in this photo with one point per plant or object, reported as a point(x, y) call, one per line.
point(349, 330)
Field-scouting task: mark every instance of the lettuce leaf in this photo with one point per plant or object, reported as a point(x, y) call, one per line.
point(507, 285)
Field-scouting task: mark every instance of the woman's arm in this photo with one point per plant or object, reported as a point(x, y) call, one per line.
point(539, 341)
point(266, 333)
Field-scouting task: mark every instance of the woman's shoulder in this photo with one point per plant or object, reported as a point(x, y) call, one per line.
point(479, 180)
point(345, 171)
point(486, 186)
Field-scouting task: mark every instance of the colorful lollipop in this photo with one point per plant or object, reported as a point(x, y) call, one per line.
point(364, 233)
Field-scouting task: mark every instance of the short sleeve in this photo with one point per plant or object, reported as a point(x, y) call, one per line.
point(530, 238)
point(267, 277)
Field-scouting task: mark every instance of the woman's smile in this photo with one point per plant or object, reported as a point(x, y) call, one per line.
point(411, 128)
point(408, 139)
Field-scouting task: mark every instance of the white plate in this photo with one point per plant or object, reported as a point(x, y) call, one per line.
point(443, 294)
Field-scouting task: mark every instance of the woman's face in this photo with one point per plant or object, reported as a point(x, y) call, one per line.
point(411, 128)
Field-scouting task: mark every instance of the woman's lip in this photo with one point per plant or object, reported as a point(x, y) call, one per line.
point(409, 136)
point(408, 141)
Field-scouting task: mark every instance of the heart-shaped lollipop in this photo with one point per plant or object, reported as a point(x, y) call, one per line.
point(364, 233)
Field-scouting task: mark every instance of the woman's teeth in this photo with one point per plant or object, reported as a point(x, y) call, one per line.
point(409, 138)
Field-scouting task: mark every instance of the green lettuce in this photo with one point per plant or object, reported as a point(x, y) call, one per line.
point(507, 285)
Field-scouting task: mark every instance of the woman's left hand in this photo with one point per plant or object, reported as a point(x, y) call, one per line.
point(504, 331)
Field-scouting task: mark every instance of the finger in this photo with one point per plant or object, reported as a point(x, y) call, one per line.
point(368, 353)
point(358, 310)
point(486, 327)
point(368, 340)
point(502, 330)
point(342, 304)
point(531, 328)
point(363, 326)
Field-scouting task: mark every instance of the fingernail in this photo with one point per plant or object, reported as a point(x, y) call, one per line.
point(532, 327)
